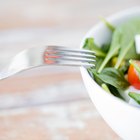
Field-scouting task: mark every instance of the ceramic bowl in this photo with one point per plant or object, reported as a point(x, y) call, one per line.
point(123, 118)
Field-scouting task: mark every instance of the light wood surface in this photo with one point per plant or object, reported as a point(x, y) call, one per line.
point(50, 103)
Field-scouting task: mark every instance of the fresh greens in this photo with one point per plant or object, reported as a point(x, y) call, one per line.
point(123, 52)
point(112, 77)
point(114, 48)
point(124, 67)
point(127, 49)
point(105, 87)
point(114, 58)
point(93, 75)
point(122, 43)
point(105, 47)
point(98, 62)
point(89, 44)
point(135, 96)
point(116, 92)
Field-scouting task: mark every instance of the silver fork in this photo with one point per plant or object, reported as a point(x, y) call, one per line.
point(47, 55)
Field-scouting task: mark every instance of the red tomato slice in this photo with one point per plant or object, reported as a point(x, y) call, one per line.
point(133, 77)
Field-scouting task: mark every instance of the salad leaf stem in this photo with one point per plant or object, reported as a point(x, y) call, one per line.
point(112, 77)
point(110, 54)
point(105, 87)
point(135, 96)
point(109, 25)
point(123, 53)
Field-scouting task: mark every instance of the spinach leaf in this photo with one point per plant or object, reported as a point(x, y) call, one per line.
point(105, 47)
point(124, 67)
point(112, 77)
point(90, 45)
point(135, 96)
point(93, 75)
point(123, 43)
point(98, 62)
point(127, 46)
point(113, 50)
point(115, 92)
point(109, 25)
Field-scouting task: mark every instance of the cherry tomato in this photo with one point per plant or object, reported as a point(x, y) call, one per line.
point(133, 77)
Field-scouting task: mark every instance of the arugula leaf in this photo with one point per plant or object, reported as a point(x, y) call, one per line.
point(112, 77)
point(135, 96)
point(90, 45)
point(109, 25)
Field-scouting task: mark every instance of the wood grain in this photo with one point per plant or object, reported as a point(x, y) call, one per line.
point(70, 121)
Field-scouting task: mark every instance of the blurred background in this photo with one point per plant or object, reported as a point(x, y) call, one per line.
point(50, 103)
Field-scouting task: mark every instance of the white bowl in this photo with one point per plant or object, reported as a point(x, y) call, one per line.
point(123, 118)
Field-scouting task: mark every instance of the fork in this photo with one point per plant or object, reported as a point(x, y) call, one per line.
point(47, 55)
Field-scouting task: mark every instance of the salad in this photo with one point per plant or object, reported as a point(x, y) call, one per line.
point(118, 62)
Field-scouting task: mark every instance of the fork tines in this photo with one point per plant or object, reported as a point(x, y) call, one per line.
point(69, 56)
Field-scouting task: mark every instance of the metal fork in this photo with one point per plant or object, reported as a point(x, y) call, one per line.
point(47, 55)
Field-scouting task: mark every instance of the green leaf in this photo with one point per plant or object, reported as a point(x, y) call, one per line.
point(124, 68)
point(98, 62)
point(93, 75)
point(113, 50)
point(132, 54)
point(105, 87)
point(115, 91)
point(122, 43)
point(112, 77)
point(90, 45)
point(122, 54)
point(127, 46)
point(109, 25)
point(105, 47)
point(135, 96)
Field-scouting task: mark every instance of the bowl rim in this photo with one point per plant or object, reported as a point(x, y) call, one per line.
point(93, 29)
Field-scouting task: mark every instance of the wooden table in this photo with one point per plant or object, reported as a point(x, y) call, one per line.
point(50, 103)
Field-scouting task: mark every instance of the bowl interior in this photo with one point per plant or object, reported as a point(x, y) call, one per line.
point(102, 35)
